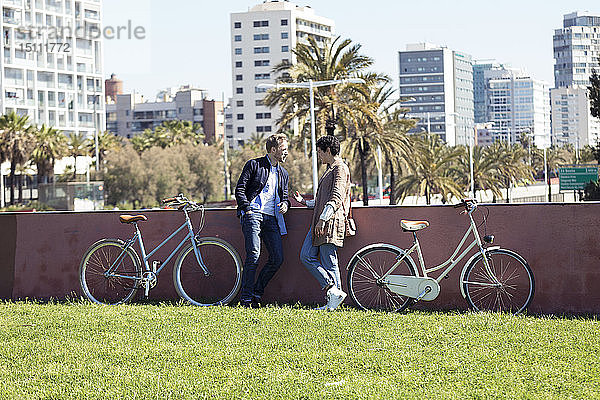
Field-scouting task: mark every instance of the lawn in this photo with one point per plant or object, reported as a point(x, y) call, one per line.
point(77, 350)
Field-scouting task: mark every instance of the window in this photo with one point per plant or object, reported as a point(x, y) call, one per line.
point(237, 25)
point(238, 64)
point(284, 22)
point(258, 102)
point(263, 115)
point(262, 76)
point(267, 129)
point(238, 51)
point(238, 38)
point(240, 116)
point(259, 129)
point(258, 24)
point(261, 50)
point(238, 77)
point(260, 89)
point(239, 103)
point(285, 49)
point(262, 36)
point(284, 35)
point(262, 63)
point(239, 90)
point(241, 130)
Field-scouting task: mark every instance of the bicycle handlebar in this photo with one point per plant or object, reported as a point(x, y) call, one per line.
point(183, 203)
point(468, 204)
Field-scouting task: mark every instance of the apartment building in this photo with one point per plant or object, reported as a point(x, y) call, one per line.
point(130, 114)
point(518, 104)
point(261, 38)
point(439, 83)
point(51, 64)
point(572, 122)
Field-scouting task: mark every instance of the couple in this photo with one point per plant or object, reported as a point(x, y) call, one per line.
point(262, 198)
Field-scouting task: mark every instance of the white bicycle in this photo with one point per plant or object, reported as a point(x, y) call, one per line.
point(385, 277)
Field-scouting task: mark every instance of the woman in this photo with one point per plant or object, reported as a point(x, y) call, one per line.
point(328, 227)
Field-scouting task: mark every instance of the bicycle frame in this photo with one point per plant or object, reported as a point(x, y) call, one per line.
point(137, 237)
point(451, 262)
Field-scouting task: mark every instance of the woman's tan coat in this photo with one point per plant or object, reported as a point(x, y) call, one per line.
point(334, 189)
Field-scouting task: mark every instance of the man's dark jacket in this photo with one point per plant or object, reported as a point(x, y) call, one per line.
point(253, 180)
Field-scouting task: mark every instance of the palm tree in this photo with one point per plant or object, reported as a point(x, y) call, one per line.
point(555, 156)
point(430, 170)
point(17, 143)
point(371, 123)
point(50, 144)
point(77, 146)
point(337, 59)
point(106, 142)
point(511, 165)
point(486, 172)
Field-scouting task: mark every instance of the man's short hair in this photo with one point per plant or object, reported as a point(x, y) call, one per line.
point(329, 142)
point(274, 141)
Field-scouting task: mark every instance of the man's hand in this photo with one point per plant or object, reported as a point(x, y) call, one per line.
point(283, 207)
point(298, 197)
point(320, 228)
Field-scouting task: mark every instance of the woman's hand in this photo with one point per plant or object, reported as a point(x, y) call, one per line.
point(320, 228)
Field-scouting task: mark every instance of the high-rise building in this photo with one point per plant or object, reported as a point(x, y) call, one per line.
point(576, 52)
point(52, 63)
point(572, 122)
point(480, 80)
point(261, 38)
point(518, 104)
point(130, 115)
point(439, 83)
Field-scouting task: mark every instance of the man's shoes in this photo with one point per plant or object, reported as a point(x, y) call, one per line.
point(335, 297)
point(254, 303)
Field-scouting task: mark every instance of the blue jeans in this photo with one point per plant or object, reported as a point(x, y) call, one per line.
point(257, 226)
point(321, 261)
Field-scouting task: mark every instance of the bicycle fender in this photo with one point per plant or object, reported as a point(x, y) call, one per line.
point(384, 245)
point(464, 269)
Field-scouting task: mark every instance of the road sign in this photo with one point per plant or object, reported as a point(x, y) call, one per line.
point(575, 177)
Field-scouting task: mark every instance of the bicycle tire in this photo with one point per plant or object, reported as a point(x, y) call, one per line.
point(508, 286)
point(225, 267)
point(366, 267)
point(110, 289)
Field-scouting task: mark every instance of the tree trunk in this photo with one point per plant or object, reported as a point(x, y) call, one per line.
point(392, 183)
point(363, 173)
point(13, 168)
point(20, 188)
point(427, 200)
point(549, 187)
point(75, 168)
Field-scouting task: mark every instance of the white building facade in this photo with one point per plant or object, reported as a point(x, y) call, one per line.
point(518, 104)
point(261, 38)
point(572, 122)
point(439, 83)
point(576, 52)
point(52, 63)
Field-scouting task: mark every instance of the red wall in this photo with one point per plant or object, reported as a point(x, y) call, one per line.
point(40, 252)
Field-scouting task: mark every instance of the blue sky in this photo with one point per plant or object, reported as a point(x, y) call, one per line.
point(189, 41)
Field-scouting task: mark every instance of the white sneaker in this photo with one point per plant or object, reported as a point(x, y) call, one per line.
point(335, 297)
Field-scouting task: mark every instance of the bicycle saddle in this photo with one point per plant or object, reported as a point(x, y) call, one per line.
point(130, 219)
point(413, 226)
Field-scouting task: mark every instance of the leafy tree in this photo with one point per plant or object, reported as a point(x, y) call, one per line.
point(429, 170)
point(555, 156)
point(591, 191)
point(168, 134)
point(50, 144)
point(16, 141)
point(594, 90)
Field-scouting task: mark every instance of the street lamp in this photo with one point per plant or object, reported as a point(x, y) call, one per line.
point(310, 85)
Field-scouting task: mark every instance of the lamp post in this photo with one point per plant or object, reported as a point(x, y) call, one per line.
point(311, 85)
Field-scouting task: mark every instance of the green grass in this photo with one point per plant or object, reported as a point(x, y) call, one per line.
point(82, 351)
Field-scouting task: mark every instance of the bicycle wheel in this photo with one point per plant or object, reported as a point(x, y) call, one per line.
point(108, 274)
point(364, 271)
point(224, 266)
point(507, 286)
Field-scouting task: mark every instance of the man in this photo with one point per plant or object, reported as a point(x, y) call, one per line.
point(262, 199)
